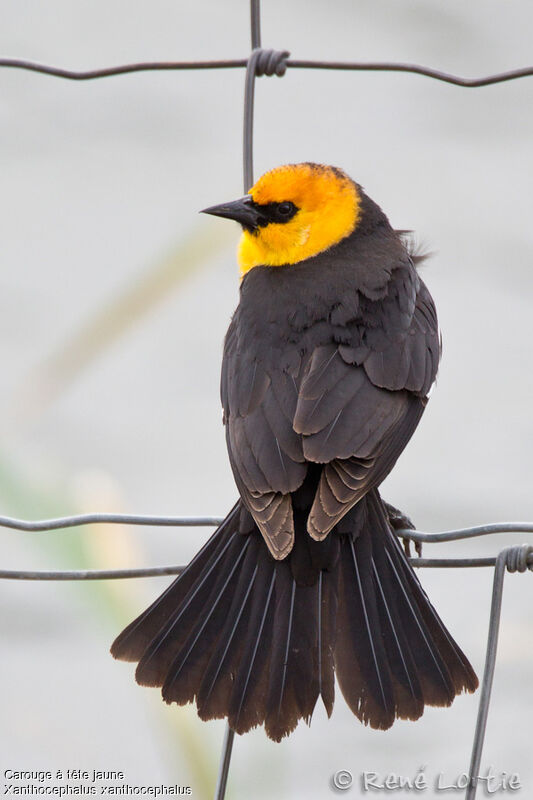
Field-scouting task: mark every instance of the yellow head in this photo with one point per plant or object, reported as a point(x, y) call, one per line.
point(292, 213)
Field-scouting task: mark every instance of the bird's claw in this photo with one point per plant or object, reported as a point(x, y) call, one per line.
point(401, 522)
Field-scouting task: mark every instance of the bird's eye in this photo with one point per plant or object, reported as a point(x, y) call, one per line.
point(286, 210)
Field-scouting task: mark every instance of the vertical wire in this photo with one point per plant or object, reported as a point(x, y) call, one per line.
point(488, 674)
point(255, 13)
point(248, 132)
point(220, 791)
point(249, 92)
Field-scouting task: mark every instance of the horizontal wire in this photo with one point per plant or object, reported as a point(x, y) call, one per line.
point(467, 533)
point(151, 572)
point(354, 66)
point(488, 561)
point(87, 574)
point(114, 519)
point(122, 69)
point(161, 521)
point(414, 69)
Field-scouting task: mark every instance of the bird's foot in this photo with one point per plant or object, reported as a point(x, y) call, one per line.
point(401, 522)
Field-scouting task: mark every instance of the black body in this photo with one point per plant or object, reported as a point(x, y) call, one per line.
point(327, 366)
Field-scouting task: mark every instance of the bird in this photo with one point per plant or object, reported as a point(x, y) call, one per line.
point(327, 366)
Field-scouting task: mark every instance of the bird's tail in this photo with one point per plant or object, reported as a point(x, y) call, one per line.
point(258, 640)
point(393, 654)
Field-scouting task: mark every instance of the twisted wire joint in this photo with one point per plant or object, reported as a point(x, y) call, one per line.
point(270, 62)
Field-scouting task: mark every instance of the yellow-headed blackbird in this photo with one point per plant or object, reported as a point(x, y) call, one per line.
point(327, 366)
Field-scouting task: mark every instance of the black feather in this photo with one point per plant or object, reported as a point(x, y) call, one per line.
point(327, 364)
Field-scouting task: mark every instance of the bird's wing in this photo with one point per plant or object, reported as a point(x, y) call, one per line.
point(266, 454)
point(351, 406)
point(359, 403)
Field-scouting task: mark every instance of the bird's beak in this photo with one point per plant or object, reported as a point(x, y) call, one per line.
point(242, 210)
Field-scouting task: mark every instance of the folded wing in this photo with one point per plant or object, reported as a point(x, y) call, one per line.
point(348, 397)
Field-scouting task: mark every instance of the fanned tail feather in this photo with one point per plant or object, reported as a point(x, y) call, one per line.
point(238, 634)
point(258, 641)
point(393, 654)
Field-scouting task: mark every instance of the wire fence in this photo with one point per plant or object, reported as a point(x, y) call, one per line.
point(519, 558)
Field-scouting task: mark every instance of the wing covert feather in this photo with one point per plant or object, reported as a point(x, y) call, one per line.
point(346, 392)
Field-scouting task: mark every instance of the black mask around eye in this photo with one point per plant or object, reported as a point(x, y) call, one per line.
point(276, 212)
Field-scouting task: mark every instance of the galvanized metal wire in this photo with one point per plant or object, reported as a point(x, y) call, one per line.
point(292, 63)
point(512, 559)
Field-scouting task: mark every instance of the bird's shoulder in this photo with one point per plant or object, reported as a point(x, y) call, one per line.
point(380, 316)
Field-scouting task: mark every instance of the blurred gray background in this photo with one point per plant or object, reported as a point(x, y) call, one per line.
point(114, 299)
